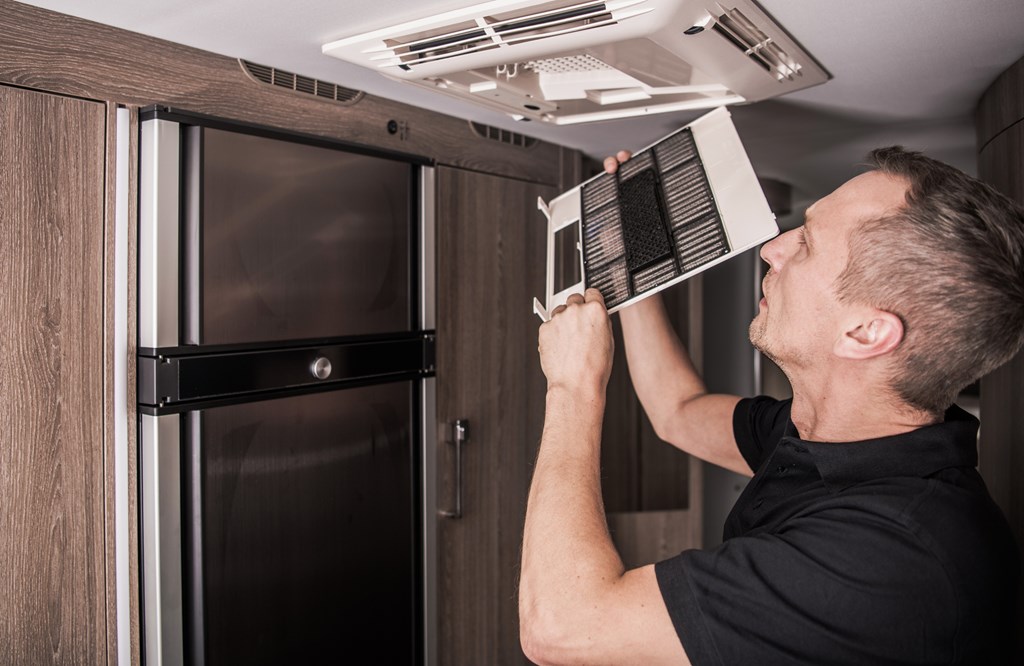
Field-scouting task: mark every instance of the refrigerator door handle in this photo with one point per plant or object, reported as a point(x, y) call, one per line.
point(460, 433)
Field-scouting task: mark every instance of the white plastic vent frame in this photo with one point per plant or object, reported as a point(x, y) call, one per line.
point(565, 62)
point(746, 217)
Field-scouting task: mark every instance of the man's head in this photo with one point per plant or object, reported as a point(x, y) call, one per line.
point(941, 254)
point(950, 264)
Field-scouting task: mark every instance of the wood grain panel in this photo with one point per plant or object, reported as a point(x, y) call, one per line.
point(52, 593)
point(1001, 164)
point(1001, 444)
point(1001, 105)
point(132, 337)
point(55, 52)
point(108, 443)
point(490, 260)
point(639, 471)
point(665, 470)
point(620, 435)
point(646, 537)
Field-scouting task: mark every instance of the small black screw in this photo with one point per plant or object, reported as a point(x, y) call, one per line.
point(392, 127)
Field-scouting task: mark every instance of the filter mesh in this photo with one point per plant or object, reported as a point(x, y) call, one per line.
point(643, 224)
point(650, 223)
point(599, 192)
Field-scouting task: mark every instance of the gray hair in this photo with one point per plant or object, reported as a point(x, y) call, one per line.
point(950, 264)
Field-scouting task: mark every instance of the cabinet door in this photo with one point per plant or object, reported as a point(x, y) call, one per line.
point(52, 592)
point(490, 259)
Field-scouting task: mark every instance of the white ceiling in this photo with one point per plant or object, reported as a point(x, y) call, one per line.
point(905, 71)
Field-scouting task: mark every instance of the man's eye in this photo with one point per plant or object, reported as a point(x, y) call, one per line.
point(800, 236)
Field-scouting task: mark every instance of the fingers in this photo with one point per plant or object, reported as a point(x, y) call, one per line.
point(593, 296)
point(590, 296)
point(611, 164)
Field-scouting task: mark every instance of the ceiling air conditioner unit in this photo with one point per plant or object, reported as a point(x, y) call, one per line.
point(576, 61)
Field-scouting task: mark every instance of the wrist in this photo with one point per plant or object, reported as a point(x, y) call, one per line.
point(576, 397)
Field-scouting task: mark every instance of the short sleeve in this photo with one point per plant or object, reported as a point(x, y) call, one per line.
point(758, 424)
point(808, 596)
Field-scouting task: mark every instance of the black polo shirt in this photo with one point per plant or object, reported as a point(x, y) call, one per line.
point(884, 551)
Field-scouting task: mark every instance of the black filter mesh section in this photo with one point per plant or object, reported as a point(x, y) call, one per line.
point(643, 221)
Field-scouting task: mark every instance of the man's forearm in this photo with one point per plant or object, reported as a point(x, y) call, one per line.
point(568, 555)
point(663, 374)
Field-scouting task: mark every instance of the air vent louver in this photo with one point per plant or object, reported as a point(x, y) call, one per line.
point(491, 32)
point(574, 61)
point(298, 83)
point(501, 135)
point(742, 33)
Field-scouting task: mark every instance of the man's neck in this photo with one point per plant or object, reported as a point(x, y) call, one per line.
point(846, 411)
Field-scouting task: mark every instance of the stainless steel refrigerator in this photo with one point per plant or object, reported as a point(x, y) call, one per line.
point(285, 363)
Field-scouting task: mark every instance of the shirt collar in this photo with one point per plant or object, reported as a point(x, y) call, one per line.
point(918, 453)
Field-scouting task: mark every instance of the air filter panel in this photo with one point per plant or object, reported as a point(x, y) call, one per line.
point(676, 208)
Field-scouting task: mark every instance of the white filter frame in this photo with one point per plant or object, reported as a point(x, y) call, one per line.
point(746, 217)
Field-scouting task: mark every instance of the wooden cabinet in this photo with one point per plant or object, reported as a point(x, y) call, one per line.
point(53, 588)
point(652, 490)
point(490, 259)
point(490, 250)
point(57, 594)
point(1001, 446)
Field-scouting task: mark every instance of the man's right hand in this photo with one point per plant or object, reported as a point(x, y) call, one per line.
point(612, 162)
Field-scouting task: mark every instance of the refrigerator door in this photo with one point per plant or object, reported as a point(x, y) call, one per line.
point(285, 240)
point(302, 545)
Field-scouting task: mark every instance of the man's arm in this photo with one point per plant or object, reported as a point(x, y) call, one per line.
point(577, 604)
point(670, 390)
point(672, 393)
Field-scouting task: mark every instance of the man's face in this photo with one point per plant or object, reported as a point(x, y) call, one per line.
point(800, 316)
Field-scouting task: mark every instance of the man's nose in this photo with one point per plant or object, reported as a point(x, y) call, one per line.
point(772, 251)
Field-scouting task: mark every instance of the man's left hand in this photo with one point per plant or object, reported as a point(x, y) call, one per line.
point(576, 345)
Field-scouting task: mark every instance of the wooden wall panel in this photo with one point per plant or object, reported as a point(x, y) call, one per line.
point(1000, 124)
point(491, 243)
point(640, 472)
point(620, 435)
point(52, 592)
point(665, 470)
point(1002, 104)
point(50, 51)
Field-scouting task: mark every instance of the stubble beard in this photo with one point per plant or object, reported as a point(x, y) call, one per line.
point(759, 339)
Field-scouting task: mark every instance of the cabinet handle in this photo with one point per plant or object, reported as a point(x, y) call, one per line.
point(460, 433)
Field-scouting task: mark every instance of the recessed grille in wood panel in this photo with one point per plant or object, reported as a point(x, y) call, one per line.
point(651, 222)
point(303, 84)
point(501, 135)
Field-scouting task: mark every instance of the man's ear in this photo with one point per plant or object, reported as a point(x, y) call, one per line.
point(874, 333)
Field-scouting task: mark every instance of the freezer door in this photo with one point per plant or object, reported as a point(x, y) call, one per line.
point(286, 240)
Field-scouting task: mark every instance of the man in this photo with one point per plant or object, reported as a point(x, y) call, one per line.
point(866, 535)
